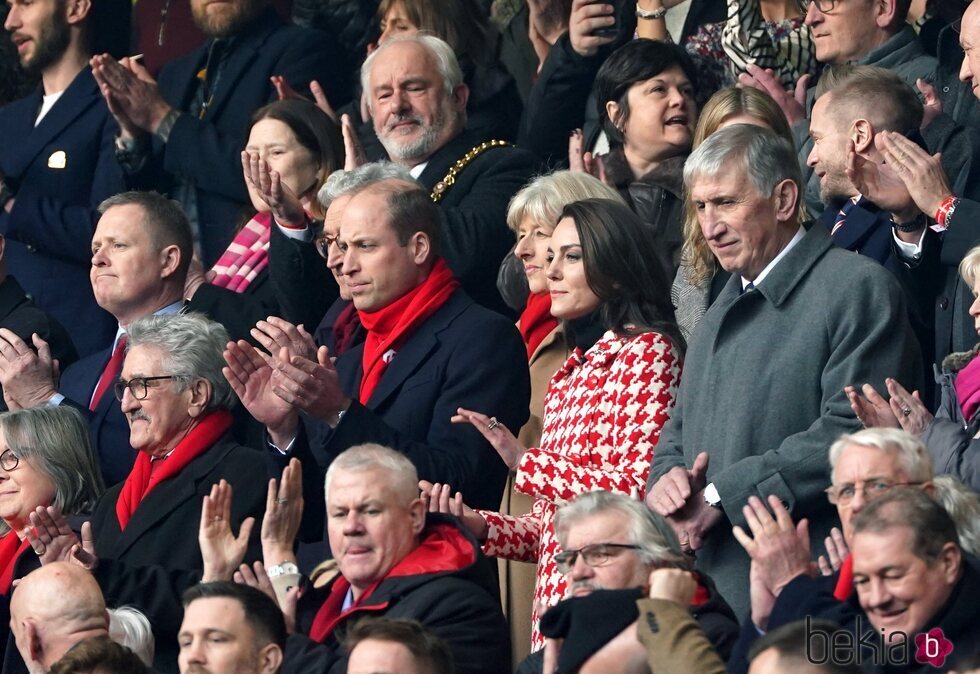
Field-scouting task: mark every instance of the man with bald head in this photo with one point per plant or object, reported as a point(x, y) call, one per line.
point(429, 350)
point(53, 609)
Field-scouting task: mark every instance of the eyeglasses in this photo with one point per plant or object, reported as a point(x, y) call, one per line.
point(842, 495)
point(137, 386)
point(825, 6)
point(323, 243)
point(597, 554)
point(9, 460)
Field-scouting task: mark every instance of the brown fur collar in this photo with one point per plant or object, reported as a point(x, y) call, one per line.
point(955, 362)
point(668, 174)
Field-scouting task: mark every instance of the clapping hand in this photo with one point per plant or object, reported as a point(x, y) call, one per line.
point(53, 540)
point(438, 498)
point(221, 550)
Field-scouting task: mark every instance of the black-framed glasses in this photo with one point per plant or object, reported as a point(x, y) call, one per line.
point(843, 494)
point(8, 460)
point(825, 6)
point(322, 244)
point(597, 554)
point(137, 386)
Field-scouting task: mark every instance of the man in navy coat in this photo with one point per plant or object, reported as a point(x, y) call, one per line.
point(56, 165)
point(402, 386)
point(184, 135)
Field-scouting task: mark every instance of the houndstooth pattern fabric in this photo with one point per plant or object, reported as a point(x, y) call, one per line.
point(602, 419)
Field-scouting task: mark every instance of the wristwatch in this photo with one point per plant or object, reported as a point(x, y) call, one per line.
point(283, 569)
point(711, 496)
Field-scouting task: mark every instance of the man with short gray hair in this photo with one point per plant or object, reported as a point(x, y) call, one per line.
point(762, 396)
point(178, 406)
point(396, 560)
point(612, 542)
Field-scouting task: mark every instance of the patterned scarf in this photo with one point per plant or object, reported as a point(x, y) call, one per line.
point(246, 256)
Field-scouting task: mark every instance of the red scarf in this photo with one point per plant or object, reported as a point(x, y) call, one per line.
point(10, 549)
point(536, 321)
point(389, 326)
point(344, 328)
point(139, 483)
point(845, 581)
point(968, 389)
point(443, 549)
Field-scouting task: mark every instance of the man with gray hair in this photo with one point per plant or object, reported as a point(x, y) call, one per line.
point(762, 395)
point(612, 542)
point(417, 98)
point(396, 561)
point(297, 269)
point(145, 530)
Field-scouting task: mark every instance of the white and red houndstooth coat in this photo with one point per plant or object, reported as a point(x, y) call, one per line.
point(602, 419)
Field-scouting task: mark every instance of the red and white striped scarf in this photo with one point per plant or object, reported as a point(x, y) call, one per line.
point(246, 256)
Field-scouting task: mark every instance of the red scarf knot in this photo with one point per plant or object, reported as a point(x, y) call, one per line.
point(388, 327)
point(139, 483)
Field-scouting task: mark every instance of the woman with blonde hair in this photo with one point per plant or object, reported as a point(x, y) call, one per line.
point(699, 278)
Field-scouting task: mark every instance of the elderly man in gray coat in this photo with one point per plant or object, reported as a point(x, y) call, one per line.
point(762, 394)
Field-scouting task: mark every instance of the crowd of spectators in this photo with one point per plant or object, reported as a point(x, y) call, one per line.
point(532, 336)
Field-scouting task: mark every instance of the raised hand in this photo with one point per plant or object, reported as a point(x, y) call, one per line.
point(793, 104)
point(353, 151)
point(438, 498)
point(221, 550)
point(53, 540)
point(587, 17)
point(250, 377)
point(837, 552)
point(498, 435)
point(879, 184)
point(28, 378)
point(781, 548)
point(266, 183)
point(311, 386)
point(131, 94)
point(921, 172)
point(284, 91)
point(276, 333)
point(283, 513)
point(908, 408)
point(870, 408)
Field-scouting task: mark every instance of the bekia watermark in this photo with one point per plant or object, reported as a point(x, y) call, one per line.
point(865, 646)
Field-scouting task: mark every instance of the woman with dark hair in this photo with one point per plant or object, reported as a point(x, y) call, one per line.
point(645, 96)
point(605, 407)
point(301, 146)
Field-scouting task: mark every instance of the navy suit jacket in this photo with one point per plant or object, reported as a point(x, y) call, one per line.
point(61, 170)
point(207, 151)
point(867, 230)
point(463, 356)
point(108, 427)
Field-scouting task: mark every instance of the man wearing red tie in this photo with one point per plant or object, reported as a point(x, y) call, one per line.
point(141, 251)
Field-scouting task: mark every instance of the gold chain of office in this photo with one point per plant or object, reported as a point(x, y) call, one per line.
point(441, 187)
